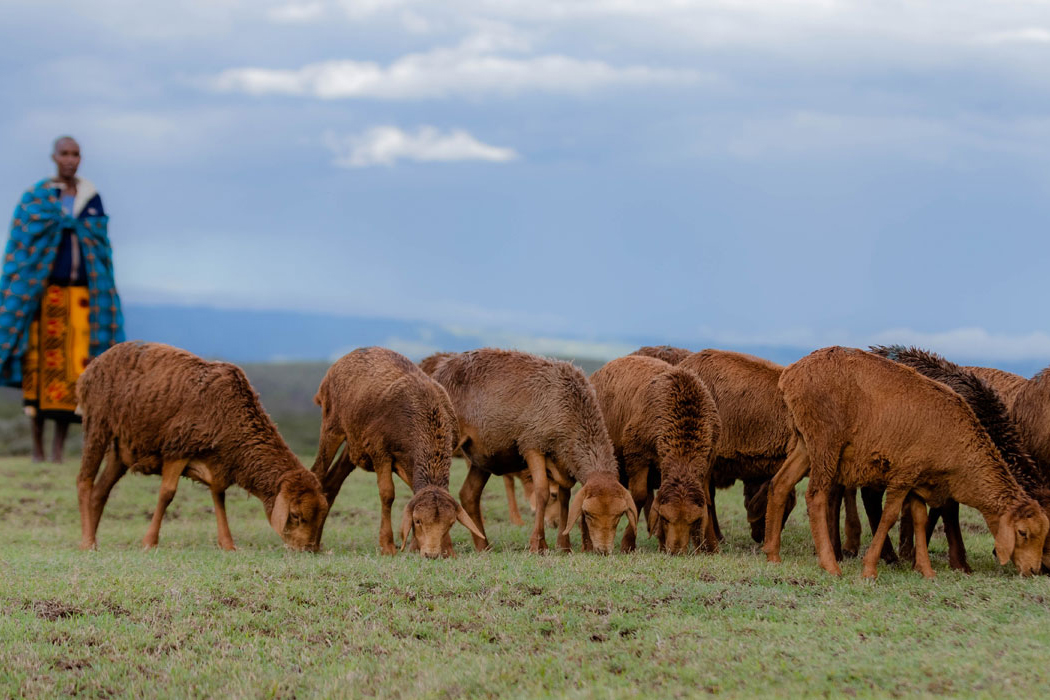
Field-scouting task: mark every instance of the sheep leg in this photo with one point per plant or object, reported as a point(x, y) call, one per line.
point(922, 553)
point(470, 497)
point(327, 446)
point(817, 502)
point(334, 478)
point(218, 497)
point(564, 496)
point(169, 482)
point(890, 512)
point(512, 500)
point(386, 500)
point(852, 545)
point(712, 513)
point(526, 487)
point(638, 485)
point(953, 531)
point(114, 470)
point(96, 442)
point(834, 513)
point(872, 499)
point(906, 544)
point(782, 485)
point(541, 493)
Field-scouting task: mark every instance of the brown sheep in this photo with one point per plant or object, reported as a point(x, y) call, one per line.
point(393, 418)
point(863, 420)
point(1031, 413)
point(514, 407)
point(161, 410)
point(756, 427)
point(668, 353)
point(430, 363)
point(994, 417)
point(664, 428)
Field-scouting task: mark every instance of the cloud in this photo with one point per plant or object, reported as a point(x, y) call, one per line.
point(385, 145)
point(1028, 35)
point(476, 66)
point(296, 12)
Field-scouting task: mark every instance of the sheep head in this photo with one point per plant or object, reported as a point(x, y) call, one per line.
point(601, 502)
point(298, 512)
point(677, 512)
point(430, 515)
point(1020, 537)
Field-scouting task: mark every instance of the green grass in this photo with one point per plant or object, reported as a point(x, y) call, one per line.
point(189, 620)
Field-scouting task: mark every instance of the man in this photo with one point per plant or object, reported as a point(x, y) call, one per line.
point(58, 302)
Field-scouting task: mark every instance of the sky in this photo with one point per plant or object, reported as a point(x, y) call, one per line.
point(792, 172)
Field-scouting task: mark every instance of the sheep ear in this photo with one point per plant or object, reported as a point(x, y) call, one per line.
point(462, 517)
point(406, 525)
point(279, 513)
point(1004, 539)
point(575, 508)
point(632, 510)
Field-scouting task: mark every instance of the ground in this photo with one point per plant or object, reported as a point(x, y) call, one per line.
point(190, 620)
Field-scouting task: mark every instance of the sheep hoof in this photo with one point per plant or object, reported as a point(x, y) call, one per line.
point(86, 546)
point(870, 574)
point(849, 553)
point(227, 546)
point(388, 550)
point(774, 558)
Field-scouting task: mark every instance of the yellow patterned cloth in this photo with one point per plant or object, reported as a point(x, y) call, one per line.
point(57, 352)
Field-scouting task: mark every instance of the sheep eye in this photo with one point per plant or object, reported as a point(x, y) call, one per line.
point(1023, 534)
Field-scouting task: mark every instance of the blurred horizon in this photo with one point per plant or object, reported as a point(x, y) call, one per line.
point(573, 178)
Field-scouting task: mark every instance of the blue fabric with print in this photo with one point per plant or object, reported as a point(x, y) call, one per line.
point(36, 234)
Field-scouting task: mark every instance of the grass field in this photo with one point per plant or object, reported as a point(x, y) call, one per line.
point(189, 620)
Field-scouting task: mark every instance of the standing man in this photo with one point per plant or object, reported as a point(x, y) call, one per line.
point(58, 302)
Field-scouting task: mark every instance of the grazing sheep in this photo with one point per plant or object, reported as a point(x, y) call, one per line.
point(393, 418)
point(668, 353)
point(863, 420)
point(994, 417)
point(756, 427)
point(664, 427)
point(161, 410)
point(514, 407)
point(429, 364)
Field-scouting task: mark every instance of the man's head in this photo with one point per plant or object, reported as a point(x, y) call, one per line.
point(66, 155)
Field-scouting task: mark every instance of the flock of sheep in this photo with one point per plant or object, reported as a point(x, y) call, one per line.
point(655, 432)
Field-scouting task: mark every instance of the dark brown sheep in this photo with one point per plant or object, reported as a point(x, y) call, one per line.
point(664, 427)
point(514, 407)
point(161, 410)
point(863, 420)
point(668, 353)
point(995, 418)
point(393, 418)
point(756, 426)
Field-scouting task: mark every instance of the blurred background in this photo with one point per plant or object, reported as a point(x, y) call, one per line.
point(288, 180)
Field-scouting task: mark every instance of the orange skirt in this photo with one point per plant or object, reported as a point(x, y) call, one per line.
point(58, 351)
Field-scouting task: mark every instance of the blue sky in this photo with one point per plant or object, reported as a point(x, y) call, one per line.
point(795, 172)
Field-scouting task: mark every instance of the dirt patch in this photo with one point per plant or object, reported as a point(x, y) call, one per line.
point(52, 610)
point(71, 664)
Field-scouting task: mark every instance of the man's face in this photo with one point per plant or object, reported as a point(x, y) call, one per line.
point(67, 158)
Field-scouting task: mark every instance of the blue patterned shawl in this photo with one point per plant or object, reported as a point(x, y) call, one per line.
point(36, 231)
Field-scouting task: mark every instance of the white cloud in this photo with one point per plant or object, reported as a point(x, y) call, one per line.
point(1028, 35)
point(296, 12)
point(385, 145)
point(473, 67)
